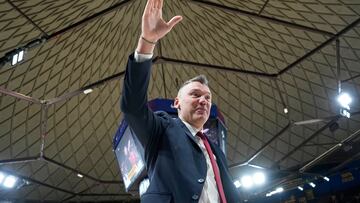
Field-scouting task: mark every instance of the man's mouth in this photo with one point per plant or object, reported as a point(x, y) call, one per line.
point(201, 110)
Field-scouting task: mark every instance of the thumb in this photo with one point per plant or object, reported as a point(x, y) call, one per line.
point(175, 20)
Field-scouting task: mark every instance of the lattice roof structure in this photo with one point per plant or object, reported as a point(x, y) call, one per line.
point(260, 56)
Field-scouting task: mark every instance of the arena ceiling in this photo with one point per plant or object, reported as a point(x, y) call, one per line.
point(260, 56)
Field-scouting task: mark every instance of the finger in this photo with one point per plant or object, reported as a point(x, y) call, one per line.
point(161, 4)
point(175, 20)
point(157, 4)
point(149, 5)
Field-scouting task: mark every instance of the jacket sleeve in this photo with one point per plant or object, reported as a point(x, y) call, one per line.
point(148, 126)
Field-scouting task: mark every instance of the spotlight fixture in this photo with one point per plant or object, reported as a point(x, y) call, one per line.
point(312, 184)
point(80, 175)
point(17, 57)
point(259, 178)
point(10, 181)
point(277, 190)
point(255, 179)
point(237, 183)
point(286, 110)
point(326, 178)
point(88, 91)
point(344, 100)
point(300, 188)
point(247, 181)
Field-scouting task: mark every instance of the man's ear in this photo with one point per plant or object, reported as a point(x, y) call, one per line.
point(177, 103)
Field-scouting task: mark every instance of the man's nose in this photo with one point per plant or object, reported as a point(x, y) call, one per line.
point(203, 100)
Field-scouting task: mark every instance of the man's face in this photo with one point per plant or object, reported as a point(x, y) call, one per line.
point(193, 103)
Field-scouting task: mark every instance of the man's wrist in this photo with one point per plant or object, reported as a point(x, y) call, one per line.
point(145, 47)
point(148, 41)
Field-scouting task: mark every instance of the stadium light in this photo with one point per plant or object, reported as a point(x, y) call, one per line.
point(10, 181)
point(326, 178)
point(277, 190)
point(237, 183)
point(247, 181)
point(88, 91)
point(17, 57)
point(344, 100)
point(259, 178)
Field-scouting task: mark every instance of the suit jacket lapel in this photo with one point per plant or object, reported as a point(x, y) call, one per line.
point(187, 131)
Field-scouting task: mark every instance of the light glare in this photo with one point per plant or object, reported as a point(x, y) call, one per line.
point(10, 181)
point(259, 178)
point(247, 181)
point(237, 184)
point(279, 189)
point(300, 188)
point(312, 184)
point(344, 100)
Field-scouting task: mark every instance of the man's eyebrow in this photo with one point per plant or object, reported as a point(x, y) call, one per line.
point(199, 90)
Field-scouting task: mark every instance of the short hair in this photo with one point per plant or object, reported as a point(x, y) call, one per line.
point(200, 78)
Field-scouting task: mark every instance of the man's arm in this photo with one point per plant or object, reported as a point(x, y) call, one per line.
point(137, 76)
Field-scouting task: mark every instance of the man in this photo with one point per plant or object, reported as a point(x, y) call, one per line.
point(179, 160)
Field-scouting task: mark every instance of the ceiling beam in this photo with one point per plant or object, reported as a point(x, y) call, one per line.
point(316, 49)
point(262, 17)
point(162, 59)
point(329, 152)
point(259, 151)
point(7, 57)
point(79, 172)
point(20, 96)
point(81, 90)
point(263, 7)
point(307, 140)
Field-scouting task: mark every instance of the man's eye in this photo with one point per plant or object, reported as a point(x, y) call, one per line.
point(195, 94)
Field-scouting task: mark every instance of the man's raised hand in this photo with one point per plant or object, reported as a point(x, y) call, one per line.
point(153, 26)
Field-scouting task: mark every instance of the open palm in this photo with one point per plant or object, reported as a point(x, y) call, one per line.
point(153, 25)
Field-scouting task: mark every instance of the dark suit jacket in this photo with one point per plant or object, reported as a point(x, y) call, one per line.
point(176, 166)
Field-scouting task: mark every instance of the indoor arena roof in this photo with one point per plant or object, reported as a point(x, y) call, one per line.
point(275, 67)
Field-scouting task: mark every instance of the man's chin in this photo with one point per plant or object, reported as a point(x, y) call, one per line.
point(202, 117)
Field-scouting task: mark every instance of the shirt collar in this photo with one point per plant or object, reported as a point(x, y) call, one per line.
point(191, 128)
